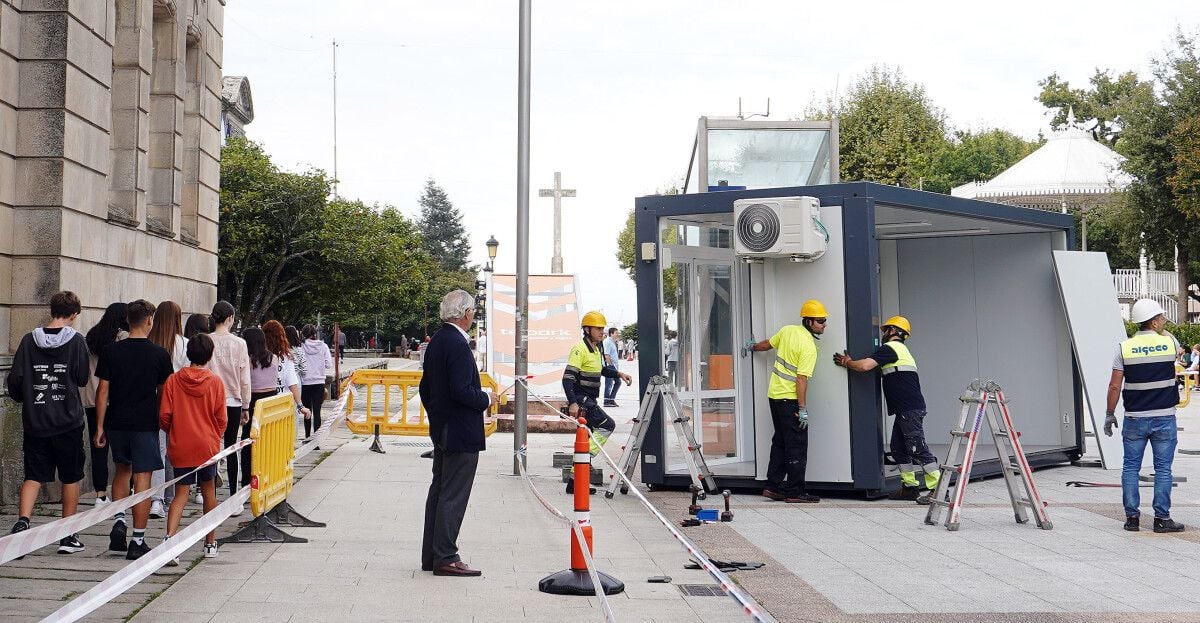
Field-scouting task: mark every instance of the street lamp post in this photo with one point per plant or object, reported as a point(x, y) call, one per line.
point(493, 247)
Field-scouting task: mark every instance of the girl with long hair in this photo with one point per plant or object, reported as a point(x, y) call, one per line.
point(288, 380)
point(195, 325)
point(167, 332)
point(112, 327)
point(294, 345)
point(312, 382)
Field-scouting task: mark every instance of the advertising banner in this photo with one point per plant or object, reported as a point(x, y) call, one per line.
point(553, 329)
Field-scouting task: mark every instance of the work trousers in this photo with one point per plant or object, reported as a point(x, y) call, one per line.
point(99, 455)
point(789, 449)
point(1162, 435)
point(312, 396)
point(446, 505)
point(597, 419)
point(908, 439)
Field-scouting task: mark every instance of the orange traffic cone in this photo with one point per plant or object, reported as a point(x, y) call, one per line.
point(576, 581)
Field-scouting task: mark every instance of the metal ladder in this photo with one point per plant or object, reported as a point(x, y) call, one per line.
point(986, 399)
point(660, 388)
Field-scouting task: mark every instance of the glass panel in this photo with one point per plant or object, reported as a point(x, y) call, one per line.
point(714, 303)
point(718, 437)
point(677, 349)
point(768, 158)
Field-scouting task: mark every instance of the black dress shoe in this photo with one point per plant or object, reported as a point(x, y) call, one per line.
point(457, 569)
point(803, 498)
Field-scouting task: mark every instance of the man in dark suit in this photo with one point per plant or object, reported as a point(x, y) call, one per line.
point(455, 404)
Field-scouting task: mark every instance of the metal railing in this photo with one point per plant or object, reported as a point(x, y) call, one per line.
point(1128, 282)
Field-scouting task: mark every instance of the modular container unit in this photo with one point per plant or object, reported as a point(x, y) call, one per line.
point(976, 280)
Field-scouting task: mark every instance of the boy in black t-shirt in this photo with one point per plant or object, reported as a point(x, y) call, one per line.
point(131, 372)
point(48, 368)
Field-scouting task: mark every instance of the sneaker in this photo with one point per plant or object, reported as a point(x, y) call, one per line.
point(21, 525)
point(1167, 525)
point(905, 492)
point(771, 494)
point(803, 498)
point(100, 501)
point(924, 499)
point(156, 510)
point(136, 550)
point(199, 496)
point(210, 550)
point(69, 545)
point(1133, 524)
point(116, 538)
point(238, 512)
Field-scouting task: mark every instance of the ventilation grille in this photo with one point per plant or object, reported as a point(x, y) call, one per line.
point(758, 228)
point(412, 444)
point(701, 590)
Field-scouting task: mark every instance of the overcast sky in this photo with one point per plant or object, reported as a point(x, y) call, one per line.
point(430, 90)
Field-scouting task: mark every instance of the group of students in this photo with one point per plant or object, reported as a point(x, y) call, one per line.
point(161, 396)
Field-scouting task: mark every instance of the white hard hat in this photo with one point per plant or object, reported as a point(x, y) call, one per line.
point(1145, 309)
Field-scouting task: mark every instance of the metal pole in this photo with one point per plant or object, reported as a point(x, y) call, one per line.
point(521, 406)
point(335, 174)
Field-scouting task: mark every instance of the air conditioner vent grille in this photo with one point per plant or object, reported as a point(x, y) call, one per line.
point(758, 228)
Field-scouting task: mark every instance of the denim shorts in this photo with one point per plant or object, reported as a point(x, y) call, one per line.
point(138, 448)
point(204, 474)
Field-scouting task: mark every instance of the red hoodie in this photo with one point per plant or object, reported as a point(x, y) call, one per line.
point(192, 412)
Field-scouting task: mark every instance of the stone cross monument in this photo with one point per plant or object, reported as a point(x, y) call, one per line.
point(558, 192)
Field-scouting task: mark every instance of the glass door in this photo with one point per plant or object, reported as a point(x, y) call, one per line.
point(703, 328)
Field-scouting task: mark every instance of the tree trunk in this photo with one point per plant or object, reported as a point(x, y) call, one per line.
point(1182, 256)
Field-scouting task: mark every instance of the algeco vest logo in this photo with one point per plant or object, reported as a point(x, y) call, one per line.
point(1148, 350)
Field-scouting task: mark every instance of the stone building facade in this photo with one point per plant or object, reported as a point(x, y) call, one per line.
point(110, 138)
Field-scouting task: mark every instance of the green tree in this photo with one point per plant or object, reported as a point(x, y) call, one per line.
point(630, 332)
point(1101, 105)
point(270, 228)
point(627, 259)
point(975, 156)
point(1158, 140)
point(442, 229)
point(889, 129)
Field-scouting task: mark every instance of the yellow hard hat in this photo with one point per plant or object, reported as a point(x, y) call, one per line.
point(900, 322)
point(812, 308)
point(594, 319)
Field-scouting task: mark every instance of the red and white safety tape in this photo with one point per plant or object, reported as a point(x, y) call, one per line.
point(14, 546)
point(577, 528)
point(749, 605)
point(152, 561)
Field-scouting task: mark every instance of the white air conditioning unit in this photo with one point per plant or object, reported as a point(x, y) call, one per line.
point(788, 227)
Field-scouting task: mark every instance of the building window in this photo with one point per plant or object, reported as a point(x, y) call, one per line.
point(127, 152)
point(166, 107)
point(193, 121)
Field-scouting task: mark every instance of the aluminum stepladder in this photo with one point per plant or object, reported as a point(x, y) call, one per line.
point(661, 390)
point(986, 399)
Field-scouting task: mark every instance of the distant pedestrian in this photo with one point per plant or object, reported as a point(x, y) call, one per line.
point(131, 373)
point(193, 416)
point(455, 402)
point(342, 341)
point(295, 347)
point(111, 327)
point(612, 359)
point(49, 367)
point(167, 333)
point(312, 382)
point(231, 362)
point(672, 355)
point(1143, 377)
point(195, 325)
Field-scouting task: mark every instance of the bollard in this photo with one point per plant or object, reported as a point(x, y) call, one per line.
point(576, 581)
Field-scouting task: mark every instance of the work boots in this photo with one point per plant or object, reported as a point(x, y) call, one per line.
point(906, 492)
point(1167, 525)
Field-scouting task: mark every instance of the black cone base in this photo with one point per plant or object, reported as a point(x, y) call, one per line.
point(570, 582)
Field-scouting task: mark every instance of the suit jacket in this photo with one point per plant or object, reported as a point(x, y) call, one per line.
point(451, 394)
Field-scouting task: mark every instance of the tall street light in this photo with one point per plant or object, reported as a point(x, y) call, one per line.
point(493, 247)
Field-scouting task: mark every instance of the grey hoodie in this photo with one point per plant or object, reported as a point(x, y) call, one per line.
point(48, 370)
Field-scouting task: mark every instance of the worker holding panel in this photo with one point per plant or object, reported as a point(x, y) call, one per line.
point(787, 393)
point(902, 390)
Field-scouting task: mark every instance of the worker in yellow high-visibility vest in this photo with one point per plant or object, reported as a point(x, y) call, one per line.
point(787, 393)
point(581, 380)
point(902, 391)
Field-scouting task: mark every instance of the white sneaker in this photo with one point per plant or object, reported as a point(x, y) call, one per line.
point(210, 550)
point(101, 501)
point(241, 508)
point(156, 510)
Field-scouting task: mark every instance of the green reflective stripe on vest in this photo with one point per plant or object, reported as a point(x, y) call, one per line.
point(905, 361)
point(786, 366)
point(1151, 384)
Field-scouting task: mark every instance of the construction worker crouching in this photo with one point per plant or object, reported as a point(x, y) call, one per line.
point(902, 391)
point(581, 380)
point(787, 393)
point(1143, 376)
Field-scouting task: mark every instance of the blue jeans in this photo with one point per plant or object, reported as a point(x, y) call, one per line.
point(611, 386)
point(1162, 435)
